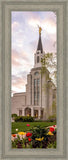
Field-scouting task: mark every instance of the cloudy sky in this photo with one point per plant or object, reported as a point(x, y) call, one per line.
point(24, 35)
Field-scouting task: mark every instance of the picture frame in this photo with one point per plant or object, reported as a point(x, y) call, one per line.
point(6, 6)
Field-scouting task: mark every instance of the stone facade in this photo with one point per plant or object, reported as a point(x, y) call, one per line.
point(38, 99)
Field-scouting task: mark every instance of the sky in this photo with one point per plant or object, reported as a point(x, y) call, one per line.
point(24, 41)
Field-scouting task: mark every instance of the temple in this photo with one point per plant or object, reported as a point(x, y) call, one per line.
point(38, 99)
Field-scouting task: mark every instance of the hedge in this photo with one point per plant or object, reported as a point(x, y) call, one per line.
point(24, 119)
point(14, 115)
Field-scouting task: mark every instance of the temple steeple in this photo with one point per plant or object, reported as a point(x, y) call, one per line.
point(39, 52)
point(40, 48)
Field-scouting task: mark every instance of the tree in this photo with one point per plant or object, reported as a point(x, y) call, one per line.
point(49, 61)
point(49, 68)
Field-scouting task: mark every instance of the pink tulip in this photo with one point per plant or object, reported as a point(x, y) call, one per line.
point(53, 125)
point(28, 125)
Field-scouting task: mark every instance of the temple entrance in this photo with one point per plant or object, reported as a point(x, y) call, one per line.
point(27, 111)
point(36, 113)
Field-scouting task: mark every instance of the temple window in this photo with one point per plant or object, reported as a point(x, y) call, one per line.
point(35, 97)
point(36, 91)
point(36, 73)
point(37, 52)
point(37, 59)
point(38, 81)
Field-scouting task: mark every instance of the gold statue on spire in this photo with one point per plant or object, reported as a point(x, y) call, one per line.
point(40, 29)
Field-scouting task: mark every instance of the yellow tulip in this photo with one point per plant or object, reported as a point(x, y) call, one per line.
point(39, 139)
point(21, 133)
point(50, 133)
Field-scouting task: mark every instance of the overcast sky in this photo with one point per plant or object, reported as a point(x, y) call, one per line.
point(25, 35)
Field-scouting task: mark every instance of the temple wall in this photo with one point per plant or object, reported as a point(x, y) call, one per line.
point(17, 102)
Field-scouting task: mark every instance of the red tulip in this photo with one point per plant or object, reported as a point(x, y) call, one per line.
point(51, 129)
point(29, 139)
point(14, 135)
point(28, 134)
point(27, 125)
point(53, 125)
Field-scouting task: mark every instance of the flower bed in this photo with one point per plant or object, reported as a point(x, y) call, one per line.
point(37, 137)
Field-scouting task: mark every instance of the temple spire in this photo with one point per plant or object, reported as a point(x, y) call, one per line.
point(40, 42)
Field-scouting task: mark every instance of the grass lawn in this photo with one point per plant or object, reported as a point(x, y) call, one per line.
point(21, 126)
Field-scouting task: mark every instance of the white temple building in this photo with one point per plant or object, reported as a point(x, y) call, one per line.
point(36, 101)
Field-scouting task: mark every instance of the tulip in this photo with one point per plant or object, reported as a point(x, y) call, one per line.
point(28, 134)
point(21, 133)
point(14, 135)
point(27, 125)
point(51, 129)
point(39, 139)
point(50, 133)
point(53, 125)
point(29, 139)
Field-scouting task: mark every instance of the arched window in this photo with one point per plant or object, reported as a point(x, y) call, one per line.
point(37, 52)
point(37, 59)
point(36, 73)
point(27, 111)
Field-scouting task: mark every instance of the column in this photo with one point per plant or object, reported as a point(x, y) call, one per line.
point(23, 112)
point(39, 114)
point(44, 114)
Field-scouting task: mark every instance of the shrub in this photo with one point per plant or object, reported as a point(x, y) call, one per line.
point(54, 106)
point(39, 137)
point(14, 115)
point(38, 132)
point(38, 120)
point(52, 118)
point(24, 119)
